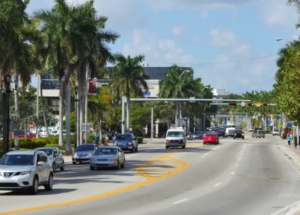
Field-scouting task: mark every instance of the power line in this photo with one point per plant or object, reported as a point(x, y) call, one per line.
point(226, 62)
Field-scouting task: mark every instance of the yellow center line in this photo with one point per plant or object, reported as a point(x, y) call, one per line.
point(148, 180)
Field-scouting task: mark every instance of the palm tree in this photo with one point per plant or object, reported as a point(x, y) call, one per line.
point(129, 76)
point(176, 85)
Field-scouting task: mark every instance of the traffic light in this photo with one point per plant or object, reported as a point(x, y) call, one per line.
point(250, 104)
point(266, 104)
point(233, 103)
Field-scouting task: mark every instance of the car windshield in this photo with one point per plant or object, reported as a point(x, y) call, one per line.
point(175, 134)
point(124, 137)
point(17, 160)
point(47, 151)
point(209, 135)
point(106, 151)
point(85, 148)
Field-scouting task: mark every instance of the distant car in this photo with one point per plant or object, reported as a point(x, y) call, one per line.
point(210, 137)
point(127, 142)
point(275, 132)
point(239, 134)
point(55, 156)
point(175, 138)
point(189, 136)
point(250, 129)
point(108, 156)
point(258, 134)
point(26, 170)
point(83, 153)
point(198, 135)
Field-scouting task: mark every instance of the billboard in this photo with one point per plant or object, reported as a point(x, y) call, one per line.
point(92, 87)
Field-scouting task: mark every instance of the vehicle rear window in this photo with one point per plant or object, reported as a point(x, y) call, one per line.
point(124, 137)
point(85, 148)
point(209, 135)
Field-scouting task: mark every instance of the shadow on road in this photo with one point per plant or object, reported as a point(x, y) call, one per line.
point(55, 191)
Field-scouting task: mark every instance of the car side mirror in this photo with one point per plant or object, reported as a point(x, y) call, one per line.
point(41, 163)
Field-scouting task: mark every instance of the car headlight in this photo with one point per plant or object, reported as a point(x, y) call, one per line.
point(114, 159)
point(90, 154)
point(168, 141)
point(26, 173)
point(75, 155)
point(130, 143)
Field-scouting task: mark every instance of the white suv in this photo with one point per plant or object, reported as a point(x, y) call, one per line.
point(26, 170)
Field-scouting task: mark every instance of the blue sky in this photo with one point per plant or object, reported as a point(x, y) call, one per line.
point(196, 32)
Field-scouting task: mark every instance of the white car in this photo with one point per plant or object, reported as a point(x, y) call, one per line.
point(275, 132)
point(26, 170)
point(55, 156)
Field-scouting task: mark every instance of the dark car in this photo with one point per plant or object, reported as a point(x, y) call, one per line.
point(189, 136)
point(221, 132)
point(239, 134)
point(258, 134)
point(127, 142)
point(198, 135)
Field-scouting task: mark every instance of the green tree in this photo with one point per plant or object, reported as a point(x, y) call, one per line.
point(129, 77)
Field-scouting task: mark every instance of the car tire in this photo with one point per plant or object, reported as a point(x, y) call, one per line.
point(132, 150)
point(54, 166)
point(74, 163)
point(118, 165)
point(123, 164)
point(243, 138)
point(92, 168)
point(35, 186)
point(49, 185)
point(183, 147)
point(204, 143)
point(167, 147)
point(62, 168)
point(136, 149)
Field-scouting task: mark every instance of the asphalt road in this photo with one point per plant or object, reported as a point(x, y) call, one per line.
point(249, 177)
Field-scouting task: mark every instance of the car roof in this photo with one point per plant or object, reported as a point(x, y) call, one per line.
point(19, 152)
point(89, 144)
point(45, 148)
point(110, 147)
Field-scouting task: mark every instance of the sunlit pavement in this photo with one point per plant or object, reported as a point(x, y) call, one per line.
point(250, 176)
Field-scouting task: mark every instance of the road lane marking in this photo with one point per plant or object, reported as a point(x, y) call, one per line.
point(205, 154)
point(184, 166)
point(180, 201)
point(232, 173)
point(218, 184)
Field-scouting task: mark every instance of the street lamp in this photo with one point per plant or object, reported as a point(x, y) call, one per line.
point(152, 113)
point(5, 101)
point(185, 71)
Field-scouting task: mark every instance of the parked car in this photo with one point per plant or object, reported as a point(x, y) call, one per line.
point(21, 134)
point(258, 134)
point(127, 142)
point(189, 136)
point(108, 156)
point(83, 153)
point(239, 134)
point(210, 137)
point(275, 132)
point(55, 156)
point(26, 170)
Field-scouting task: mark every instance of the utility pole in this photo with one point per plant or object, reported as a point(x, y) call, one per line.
point(37, 105)
point(86, 106)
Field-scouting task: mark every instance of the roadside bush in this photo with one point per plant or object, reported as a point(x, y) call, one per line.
point(139, 139)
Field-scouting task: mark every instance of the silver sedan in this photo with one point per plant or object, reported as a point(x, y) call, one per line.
point(108, 156)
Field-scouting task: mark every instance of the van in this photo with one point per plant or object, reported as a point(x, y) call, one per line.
point(229, 131)
point(175, 137)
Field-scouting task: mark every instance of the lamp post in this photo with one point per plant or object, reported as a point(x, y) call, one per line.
point(5, 103)
point(116, 103)
point(77, 115)
point(152, 113)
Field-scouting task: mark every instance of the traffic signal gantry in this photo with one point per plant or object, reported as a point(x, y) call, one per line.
point(256, 104)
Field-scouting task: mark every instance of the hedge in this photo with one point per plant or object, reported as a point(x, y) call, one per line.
point(140, 139)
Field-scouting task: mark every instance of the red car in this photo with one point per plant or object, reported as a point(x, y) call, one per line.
point(22, 135)
point(211, 138)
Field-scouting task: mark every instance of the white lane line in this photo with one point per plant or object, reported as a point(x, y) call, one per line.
point(232, 173)
point(216, 185)
point(180, 201)
point(237, 164)
point(205, 154)
point(216, 147)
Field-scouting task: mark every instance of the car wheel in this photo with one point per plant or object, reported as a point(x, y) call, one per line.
point(167, 147)
point(62, 168)
point(54, 166)
point(137, 149)
point(132, 150)
point(204, 143)
point(49, 185)
point(74, 163)
point(183, 147)
point(92, 168)
point(123, 164)
point(80, 162)
point(118, 165)
point(243, 138)
point(35, 186)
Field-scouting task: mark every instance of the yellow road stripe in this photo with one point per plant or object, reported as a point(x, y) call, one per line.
point(113, 192)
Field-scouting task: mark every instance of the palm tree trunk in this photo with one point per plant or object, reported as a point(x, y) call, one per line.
point(67, 105)
point(81, 105)
point(77, 116)
point(176, 114)
point(17, 146)
point(44, 112)
point(100, 127)
point(60, 141)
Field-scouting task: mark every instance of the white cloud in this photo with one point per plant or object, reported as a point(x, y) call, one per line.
point(178, 30)
point(158, 52)
point(223, 38)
